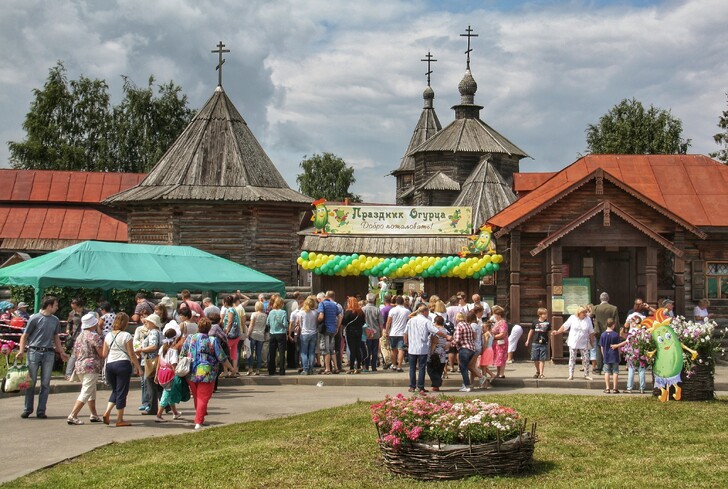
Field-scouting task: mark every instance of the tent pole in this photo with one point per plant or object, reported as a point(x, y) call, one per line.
point(38, 297)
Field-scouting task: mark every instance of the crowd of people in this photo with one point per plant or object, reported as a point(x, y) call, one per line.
point(180, 350)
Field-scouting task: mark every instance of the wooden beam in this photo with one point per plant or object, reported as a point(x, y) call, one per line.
point(515, 278)
point(651, 275)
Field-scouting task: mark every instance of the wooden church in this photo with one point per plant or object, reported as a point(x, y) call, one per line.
point(216, 189)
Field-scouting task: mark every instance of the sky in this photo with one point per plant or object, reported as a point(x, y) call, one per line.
point(313, 76)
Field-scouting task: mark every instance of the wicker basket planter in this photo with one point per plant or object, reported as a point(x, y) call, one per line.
point(700, 385)
point(425, 461)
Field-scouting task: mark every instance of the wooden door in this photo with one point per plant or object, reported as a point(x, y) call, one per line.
point(615, 274)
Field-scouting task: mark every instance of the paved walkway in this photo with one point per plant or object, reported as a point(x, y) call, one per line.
point(32, 444)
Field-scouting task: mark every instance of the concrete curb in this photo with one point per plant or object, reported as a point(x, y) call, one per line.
point(383, 379)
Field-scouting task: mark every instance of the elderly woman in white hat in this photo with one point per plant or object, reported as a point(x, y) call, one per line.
point(149, 352)
point(88, 352)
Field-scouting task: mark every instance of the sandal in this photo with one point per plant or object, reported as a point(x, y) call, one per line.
point(327, 372)
point(607, 391)
point(615, 391)
point(535, 376)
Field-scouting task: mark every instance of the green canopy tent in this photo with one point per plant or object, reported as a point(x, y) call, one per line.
point(106, 266)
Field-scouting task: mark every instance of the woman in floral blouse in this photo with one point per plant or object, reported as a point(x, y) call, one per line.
point(206, 353)
point(87, 350)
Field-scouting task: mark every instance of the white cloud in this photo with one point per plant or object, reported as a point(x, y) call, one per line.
point(312, 76)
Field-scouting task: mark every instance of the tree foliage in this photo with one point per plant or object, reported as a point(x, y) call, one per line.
point(326, 176)
point(629, 128)
point(722, 138)
point(72, 125)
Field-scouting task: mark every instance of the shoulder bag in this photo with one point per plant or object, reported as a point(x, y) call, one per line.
point(17, 377)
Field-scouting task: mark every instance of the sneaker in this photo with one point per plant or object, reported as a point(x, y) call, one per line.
point(571, 377)
point(159, 419)
point(399, 369)
point(178, 415)
point(481, 381)
point(41, 416)
point(71, 420)
point(586, 377)
point(145, 412)
point(628, 391)
point(95, 419)
point(24, 415)
point(411, 389)
point(465, 389)
point(198, 427)
point(144, 407)
point(642, 391)
point(435, 389)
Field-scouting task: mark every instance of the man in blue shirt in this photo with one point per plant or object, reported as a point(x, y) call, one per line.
point(330, 315)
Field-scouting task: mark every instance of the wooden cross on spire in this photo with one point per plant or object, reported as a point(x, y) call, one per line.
point(468, 34)
point(220, 61)
point(429, 60)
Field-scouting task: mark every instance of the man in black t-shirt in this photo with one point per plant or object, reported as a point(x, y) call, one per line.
point(539, 334)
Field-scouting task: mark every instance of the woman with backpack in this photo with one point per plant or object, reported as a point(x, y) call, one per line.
point(206, 354)
point(165, 376)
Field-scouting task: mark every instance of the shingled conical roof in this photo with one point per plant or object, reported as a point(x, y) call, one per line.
point(426, 127)
point(486, 192)
point(468, 133)
point(215, 158)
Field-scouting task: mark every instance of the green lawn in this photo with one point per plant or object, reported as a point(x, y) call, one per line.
point(585, 441)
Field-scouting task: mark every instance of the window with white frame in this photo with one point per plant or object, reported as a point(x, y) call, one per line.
point(716, 280)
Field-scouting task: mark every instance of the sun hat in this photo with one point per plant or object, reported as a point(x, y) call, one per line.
point(89, 320)
point(167, 302)
point(21, 305)
point(666, 302)
point(154, 319)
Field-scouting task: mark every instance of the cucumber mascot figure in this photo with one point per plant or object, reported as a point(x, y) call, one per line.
point(320, 217)
point(668, 356)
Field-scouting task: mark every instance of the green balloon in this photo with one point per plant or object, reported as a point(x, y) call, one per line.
point(489, 268)
point(496, 267)
point(304, 255)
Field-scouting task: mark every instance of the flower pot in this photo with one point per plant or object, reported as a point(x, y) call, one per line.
point(699, 384)
point(425, 461)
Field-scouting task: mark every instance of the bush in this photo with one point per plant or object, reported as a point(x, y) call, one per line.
point(121, 300)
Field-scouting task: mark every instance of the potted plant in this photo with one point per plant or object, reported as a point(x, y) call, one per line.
point(443, 438)
point(704, 338)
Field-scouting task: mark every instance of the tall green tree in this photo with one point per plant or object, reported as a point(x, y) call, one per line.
point(326, 176)
point(72, 125)
point(67, 127)
point(145, 125)
point(629, 128)
point(722, 138)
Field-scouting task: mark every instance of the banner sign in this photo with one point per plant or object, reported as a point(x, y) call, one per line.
point(369, 219)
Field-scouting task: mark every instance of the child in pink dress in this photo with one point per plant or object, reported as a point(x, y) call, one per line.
point(486, 358)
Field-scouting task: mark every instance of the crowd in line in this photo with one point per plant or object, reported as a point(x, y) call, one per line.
point(307, 334)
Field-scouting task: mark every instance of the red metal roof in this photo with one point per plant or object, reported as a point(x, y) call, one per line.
point(692, 187)
point(525, 182)
point(60, 205)
point(63, 186)
point(59, 223)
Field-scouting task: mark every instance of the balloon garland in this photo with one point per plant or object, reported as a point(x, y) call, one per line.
point(355, 264)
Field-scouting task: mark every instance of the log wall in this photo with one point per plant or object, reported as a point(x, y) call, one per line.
point(260, 237)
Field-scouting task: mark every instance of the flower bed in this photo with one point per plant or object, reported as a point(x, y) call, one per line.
point(448, 439)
